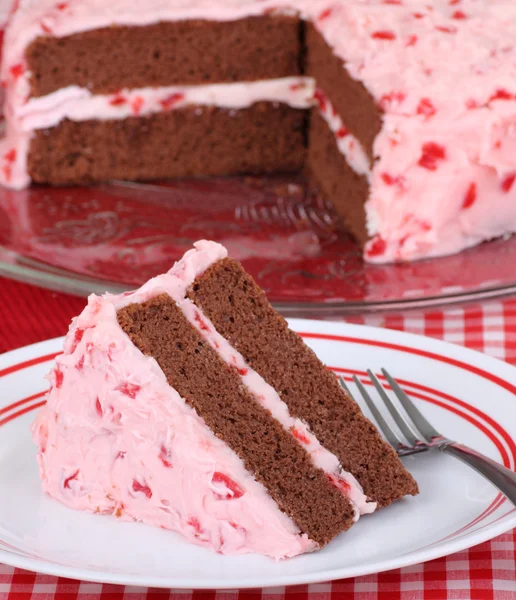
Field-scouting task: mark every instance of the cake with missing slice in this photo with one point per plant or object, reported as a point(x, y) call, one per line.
point(189, 404)
point(356, 92)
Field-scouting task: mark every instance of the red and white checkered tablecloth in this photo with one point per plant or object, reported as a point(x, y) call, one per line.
point(485, 572)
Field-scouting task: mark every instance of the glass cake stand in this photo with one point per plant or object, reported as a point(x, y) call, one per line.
point(114, 237)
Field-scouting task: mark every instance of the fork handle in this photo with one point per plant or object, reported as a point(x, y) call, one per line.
point(501, 477)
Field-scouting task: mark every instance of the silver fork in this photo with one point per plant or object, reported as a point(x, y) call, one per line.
point(420, 436)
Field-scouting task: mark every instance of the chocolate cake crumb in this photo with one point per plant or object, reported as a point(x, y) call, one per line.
point(354, 104)
point(184, 52)
point(240, 312)
point(185, 142)
point(335, 179)
point(160, 329)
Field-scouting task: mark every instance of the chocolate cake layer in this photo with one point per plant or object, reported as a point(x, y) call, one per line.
point(193, 141)
point(335, 179)
point(241, 313)
point(355, 105)
point(172, 53)
point(160, 329)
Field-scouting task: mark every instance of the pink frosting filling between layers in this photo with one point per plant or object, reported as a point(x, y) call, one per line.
point(79, 104)
point(347, 143)
point(270, 399)
point(115, 438)
point(444, 173)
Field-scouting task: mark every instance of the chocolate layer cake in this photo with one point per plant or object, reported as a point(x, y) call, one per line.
point(191, 405)
point(357, 92)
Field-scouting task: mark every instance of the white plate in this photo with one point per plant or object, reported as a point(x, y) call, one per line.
point(468, 396)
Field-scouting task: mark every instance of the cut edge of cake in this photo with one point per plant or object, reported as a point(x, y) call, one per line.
point(155, 392)
point(412, 170)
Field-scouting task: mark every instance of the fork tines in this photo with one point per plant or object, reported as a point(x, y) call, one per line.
point(416, 432)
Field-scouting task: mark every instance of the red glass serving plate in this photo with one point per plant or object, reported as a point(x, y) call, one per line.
point(114, 237)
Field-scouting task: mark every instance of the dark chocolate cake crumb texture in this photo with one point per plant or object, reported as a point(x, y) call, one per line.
point(176, 53)
point(160, 329)
point(240, 312)
point(263, 138)
point(354, 104)
point(331, 175)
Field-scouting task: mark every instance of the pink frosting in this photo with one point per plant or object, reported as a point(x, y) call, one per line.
point(444, 170)
point(79, 104)
point(444, 75)
point(115, 438)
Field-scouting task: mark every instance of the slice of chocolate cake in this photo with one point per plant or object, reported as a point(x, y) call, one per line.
point(190, 405)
